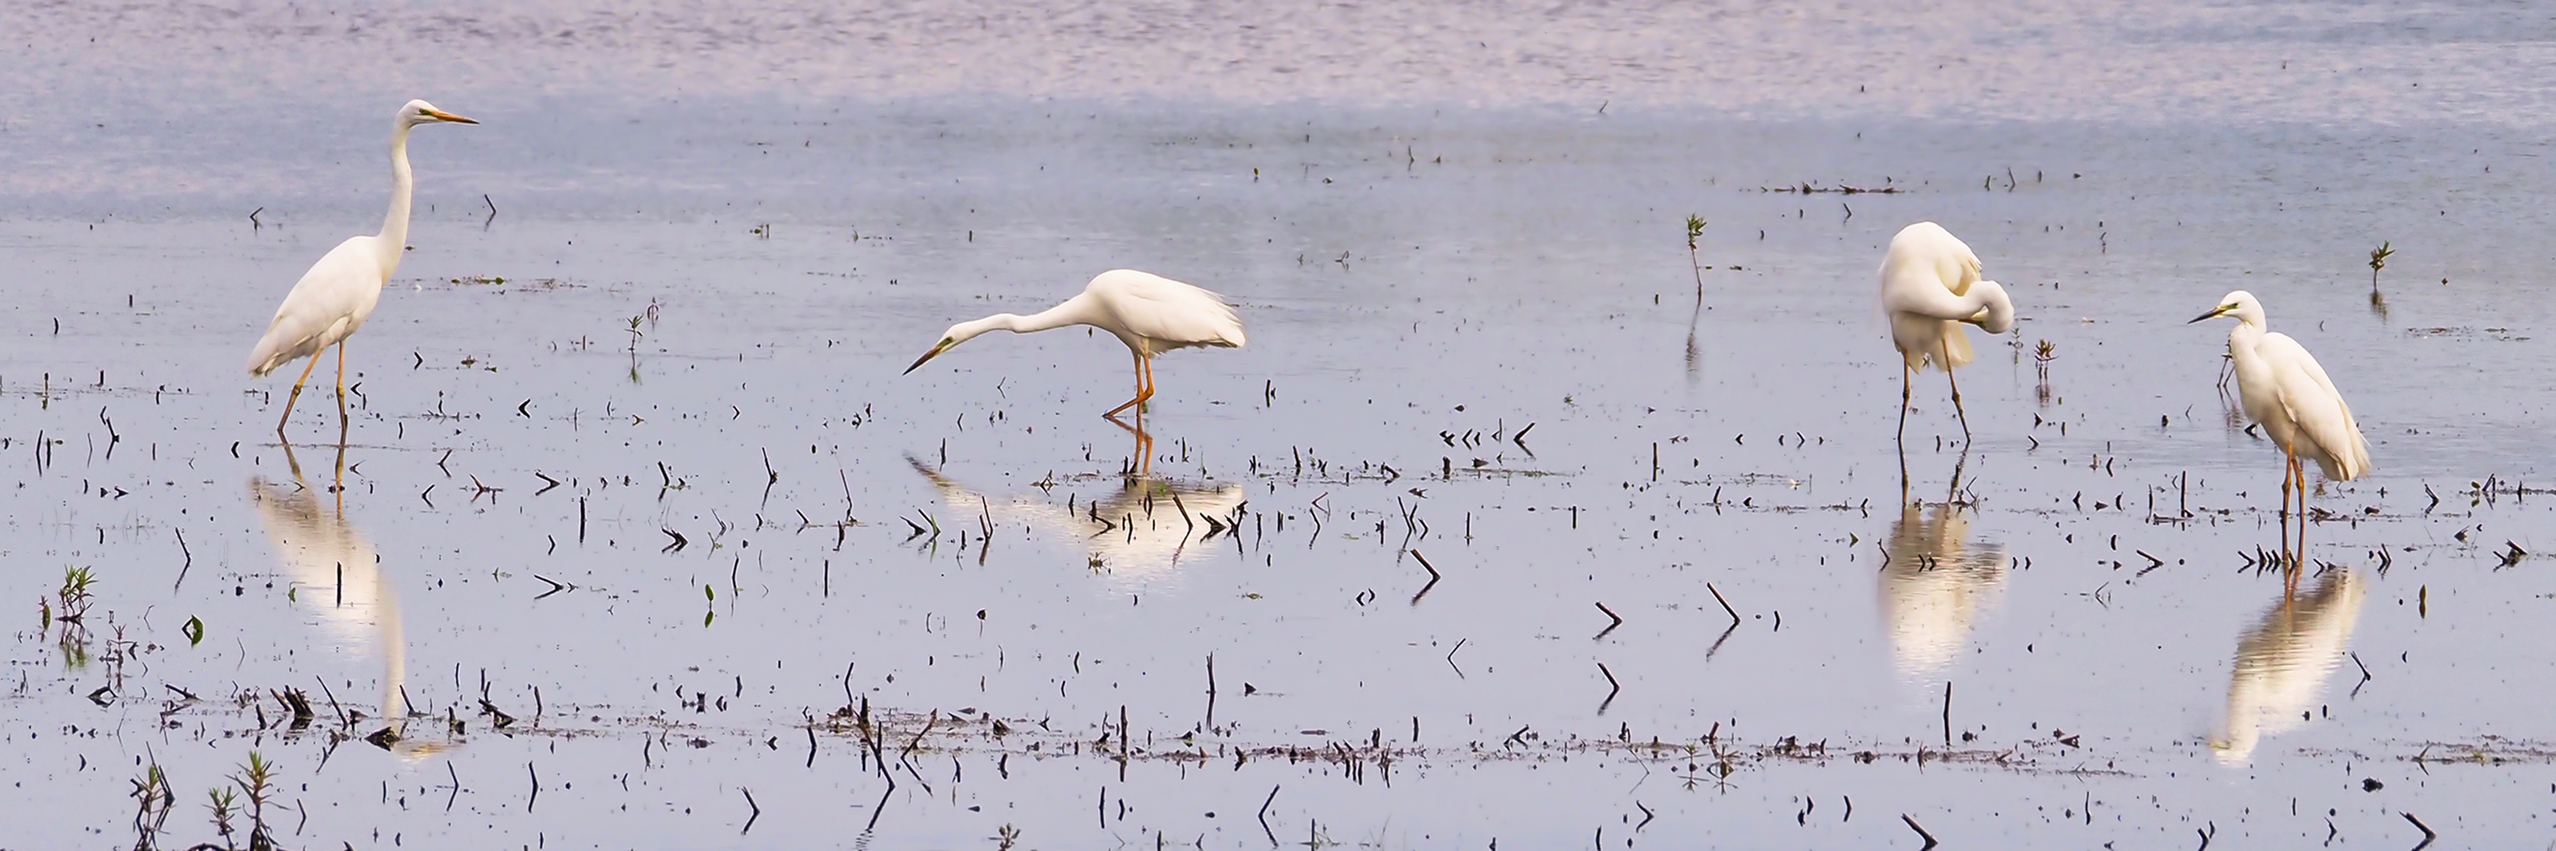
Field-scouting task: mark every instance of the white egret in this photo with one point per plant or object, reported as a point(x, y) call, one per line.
point(1930, 286)
point(2282, 388)
point(338, 293)
point(1152, 314)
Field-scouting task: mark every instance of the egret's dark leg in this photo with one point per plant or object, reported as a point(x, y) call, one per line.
point(295, 396)
point(341, 391)
point(1139, 359)
point(1907, 380)
point(1956, 390)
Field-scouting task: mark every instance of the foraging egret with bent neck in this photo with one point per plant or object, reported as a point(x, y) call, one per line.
point(338, 293)
point(1930, 287)
point(1152, 314)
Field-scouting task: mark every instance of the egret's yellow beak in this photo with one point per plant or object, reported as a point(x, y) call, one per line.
point(937, 349)
point(441, 115)
point(2214, 313)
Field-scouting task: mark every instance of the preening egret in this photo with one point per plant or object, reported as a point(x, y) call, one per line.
point(338, 293)
point(1152, 314)
point(2283, 389)
point(1930, 285)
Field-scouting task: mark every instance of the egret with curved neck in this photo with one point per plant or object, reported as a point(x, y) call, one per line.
point(1152, 314)
point(2287, 392)
point(1930, 287)
point(338, 293)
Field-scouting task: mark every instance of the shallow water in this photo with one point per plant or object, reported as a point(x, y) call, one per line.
point(1479, 345)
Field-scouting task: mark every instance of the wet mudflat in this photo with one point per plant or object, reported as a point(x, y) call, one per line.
point(1495, 531)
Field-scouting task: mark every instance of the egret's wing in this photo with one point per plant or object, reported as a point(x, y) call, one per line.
point(1160, 308)
point(329, 295)
point(2311, 401)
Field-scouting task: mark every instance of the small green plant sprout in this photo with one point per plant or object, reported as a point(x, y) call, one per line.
point(2044, 352)
point(153, 799)
point(1005, 836)
point(73, 597)
point(221, 804)
point(2378, 260)
point(194, 631)
point(257, 778)
point(1695, 231)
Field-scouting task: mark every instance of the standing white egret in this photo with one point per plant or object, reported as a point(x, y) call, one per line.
point(1930, 285)
point(2283, 389)
point(338, 293)
point(1152, 314)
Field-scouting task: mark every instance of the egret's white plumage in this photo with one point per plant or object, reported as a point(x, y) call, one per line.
point(2283, 389)
point(334, 298)
point(1152, 314)
point(1930, 287)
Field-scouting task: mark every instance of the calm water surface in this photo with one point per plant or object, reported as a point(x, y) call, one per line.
point(720, 230)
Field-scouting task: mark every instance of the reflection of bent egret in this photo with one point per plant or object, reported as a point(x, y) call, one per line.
point(339, 573)
point(2282, 663)
point(1935, 588)
point(1930, 287)
point(1140, 535)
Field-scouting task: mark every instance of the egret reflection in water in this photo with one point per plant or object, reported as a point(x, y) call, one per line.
point(338, 574)
point(1936, 586)
point(1133, 533)
point(2283, 662)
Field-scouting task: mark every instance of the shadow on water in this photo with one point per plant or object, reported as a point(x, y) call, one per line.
point(1936, 585)
point(323, 554)
point(1141, 530)
point(2281, 664)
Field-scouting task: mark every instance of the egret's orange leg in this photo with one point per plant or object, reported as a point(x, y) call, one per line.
point(1956, 388)
point(1140, 385)
point(295, 396)
point(1148, 394)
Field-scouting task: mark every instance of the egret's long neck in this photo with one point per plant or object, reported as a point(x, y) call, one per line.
point(1073, 311)
point(393, 241)
point(2247, 332)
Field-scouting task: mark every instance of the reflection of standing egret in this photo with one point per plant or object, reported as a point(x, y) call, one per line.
point(2281, 664)
point(1935, 587)
point(1136, 532)
point(320, 550)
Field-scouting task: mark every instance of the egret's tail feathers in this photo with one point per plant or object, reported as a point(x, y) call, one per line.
point(274, 351)
point(1956, 351)
point(2352, 463)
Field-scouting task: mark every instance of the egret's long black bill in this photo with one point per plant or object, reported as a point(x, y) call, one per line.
point(2210, 315)
point(934, 353)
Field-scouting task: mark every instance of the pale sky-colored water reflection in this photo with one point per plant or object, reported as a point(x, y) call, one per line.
point(604, 441)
